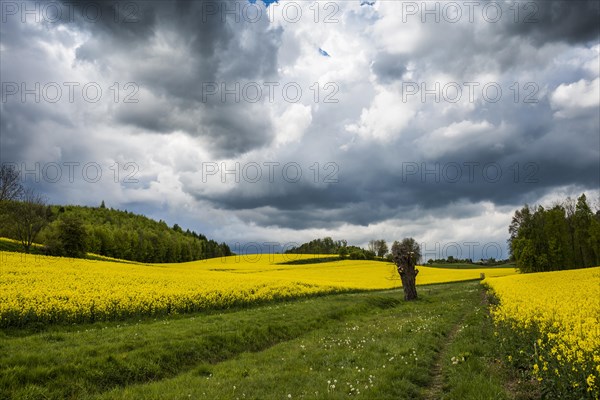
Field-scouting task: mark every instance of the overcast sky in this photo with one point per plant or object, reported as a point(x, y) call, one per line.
point(283, 122)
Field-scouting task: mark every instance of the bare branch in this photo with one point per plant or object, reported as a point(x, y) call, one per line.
point(10, 185)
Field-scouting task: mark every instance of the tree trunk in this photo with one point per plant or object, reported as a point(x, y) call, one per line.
point(409, 283)
point(406, 254)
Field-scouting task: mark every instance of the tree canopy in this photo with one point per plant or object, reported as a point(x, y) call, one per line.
point(564, 236)
point(319, 246)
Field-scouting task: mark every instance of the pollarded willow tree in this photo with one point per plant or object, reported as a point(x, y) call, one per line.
point(406, 254)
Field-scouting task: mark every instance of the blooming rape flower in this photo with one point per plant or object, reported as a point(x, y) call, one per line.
point(562, 308)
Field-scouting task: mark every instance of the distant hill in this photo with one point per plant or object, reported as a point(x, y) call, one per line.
point(129, 236)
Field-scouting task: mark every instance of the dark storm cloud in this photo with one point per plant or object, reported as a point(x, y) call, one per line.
point(525, 154)
point(492, 42)
point(14, 135)
point(547, 21)
point(208, 31)
point(213, 50)
point(23, 118)
point(129, 22)
point(407, 189)
point(236, 129)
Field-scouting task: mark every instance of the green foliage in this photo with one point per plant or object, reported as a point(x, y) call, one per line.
point(24, 218)
point(320, 246)
point(340, 247)
point(67, 238)
point(378, 247)
point(361, 254)
point(124, 235)
point(357, 255)
point(563, 237)
point(406, 252)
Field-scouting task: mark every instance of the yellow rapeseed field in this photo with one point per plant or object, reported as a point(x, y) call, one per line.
point(562, 310)
point(52, 289)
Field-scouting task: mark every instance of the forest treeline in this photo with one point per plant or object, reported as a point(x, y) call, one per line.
point(76, 230)
point(377, 249)
point(319, 246)
point(563, 236)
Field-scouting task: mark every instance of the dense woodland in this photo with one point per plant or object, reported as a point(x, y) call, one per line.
point(119, 234)
point(563, 236)
point(319, 246)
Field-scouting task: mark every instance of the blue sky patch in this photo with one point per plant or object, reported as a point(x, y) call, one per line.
point(323, 53)
point(267, 2)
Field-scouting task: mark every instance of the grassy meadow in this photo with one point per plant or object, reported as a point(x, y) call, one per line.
point(366, 345)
